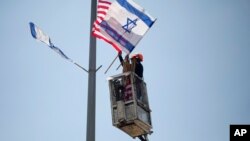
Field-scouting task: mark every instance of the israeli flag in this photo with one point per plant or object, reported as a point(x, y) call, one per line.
point(39, 35)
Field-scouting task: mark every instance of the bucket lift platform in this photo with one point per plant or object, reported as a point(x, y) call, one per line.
point(129, 104)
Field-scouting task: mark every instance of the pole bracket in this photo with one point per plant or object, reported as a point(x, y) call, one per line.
point(98, 68)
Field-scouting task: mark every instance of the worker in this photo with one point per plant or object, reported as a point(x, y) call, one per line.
point(126, 80)
point(125, 62)
point(137, 67)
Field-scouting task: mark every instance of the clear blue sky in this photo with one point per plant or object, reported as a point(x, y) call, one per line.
point(197, 69)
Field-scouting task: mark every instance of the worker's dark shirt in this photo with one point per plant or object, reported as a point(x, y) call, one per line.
point(139, 69)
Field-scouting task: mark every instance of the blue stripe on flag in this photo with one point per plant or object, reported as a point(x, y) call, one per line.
point(33, 30)
point(116, 36)
point(56, 49)
point(145, 18)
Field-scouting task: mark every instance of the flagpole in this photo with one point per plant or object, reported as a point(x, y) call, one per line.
point(111, 64)
point(90, 134)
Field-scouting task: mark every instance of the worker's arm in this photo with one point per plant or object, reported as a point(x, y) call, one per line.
point(120, 57)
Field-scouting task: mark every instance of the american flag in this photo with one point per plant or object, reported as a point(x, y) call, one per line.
point(102, 8)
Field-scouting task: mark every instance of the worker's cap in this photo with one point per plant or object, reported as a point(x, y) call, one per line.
point(138, 55)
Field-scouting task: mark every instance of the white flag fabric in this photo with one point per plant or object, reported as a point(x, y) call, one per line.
point(38, 34)
point(123, 25)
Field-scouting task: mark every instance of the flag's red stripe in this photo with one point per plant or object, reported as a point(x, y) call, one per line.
point(103, 1)
point(103, 7)
point(97, 21)
point(102, 12)
point(108, 41)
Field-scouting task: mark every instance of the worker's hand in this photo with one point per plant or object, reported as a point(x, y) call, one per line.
point(127, 57)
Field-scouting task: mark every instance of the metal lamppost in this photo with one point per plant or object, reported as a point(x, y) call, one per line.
point(90, 135)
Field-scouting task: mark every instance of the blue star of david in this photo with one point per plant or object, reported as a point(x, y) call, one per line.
point(130, 25)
